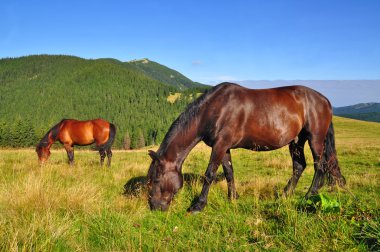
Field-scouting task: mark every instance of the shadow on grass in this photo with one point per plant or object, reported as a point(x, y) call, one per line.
point(369, 234)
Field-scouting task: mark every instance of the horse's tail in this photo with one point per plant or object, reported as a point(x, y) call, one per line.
point(330, 164)
point(111, 137)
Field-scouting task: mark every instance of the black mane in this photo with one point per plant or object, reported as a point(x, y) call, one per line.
point(182, 122)
point(54, 131)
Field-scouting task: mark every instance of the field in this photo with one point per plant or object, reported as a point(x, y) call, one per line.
point(84, 208)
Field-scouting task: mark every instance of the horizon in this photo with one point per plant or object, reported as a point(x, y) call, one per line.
point(173, 67)
point(207, 42)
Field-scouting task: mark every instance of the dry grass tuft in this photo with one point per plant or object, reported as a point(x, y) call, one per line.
point(260, 188)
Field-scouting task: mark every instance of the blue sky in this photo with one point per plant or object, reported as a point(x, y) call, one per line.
point(208, 41)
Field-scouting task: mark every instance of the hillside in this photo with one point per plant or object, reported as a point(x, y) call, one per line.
point(360, 108)
point(361, 111)
point(38, 91)
point(164, 74)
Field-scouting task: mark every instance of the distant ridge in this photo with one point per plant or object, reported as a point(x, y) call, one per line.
point(165, 74)
point(362, 111)
point(360, 108)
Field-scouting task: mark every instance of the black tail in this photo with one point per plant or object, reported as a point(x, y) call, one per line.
point(111, 137)
point(330, 162)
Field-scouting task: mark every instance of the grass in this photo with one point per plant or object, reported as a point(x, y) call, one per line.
point(172, 98)
point(61, 208)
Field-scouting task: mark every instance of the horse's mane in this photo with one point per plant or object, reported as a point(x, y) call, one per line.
point(54, 133)
point(183, 120)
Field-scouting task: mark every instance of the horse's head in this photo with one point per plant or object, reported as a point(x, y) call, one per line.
point(43, 153)
point(164, 181)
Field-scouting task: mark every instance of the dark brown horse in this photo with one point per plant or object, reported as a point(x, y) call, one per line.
point(230, 116)
point(70, 132)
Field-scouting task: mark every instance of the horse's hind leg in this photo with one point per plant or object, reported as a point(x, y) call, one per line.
point(109, 156)
point(316, 145)
point(102, 154)
point(296, 149)
point(229, 174)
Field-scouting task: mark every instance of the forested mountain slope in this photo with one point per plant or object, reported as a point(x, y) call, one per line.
point(36, 92)
point(362, 111)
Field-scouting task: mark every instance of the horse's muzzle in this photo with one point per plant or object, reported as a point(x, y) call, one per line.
point(158, 205)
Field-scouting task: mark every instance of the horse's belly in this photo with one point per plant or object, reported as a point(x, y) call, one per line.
point(265, 144)
point(84, 139)
point(271, 136)
point(85, 142)
point(257, 146)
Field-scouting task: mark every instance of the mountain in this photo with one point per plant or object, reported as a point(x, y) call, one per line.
point(362, 111)
point(164, 74)
point(38, 91)
point(358, 108)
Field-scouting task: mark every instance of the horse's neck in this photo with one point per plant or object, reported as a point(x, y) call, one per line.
point(50, 143)
point(183, 138)
point(185, 152)
point(179, 148)
point(50, 139)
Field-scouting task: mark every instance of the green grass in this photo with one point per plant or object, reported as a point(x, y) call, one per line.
point(61, 208)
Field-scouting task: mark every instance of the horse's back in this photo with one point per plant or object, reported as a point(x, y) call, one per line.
point(262, 117)
point(84, 132)
point(297, 97)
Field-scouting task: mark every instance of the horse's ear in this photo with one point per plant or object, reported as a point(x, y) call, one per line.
point(154, 155)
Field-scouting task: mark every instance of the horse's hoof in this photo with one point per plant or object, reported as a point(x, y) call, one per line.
point(195, 209)
point(193, 212)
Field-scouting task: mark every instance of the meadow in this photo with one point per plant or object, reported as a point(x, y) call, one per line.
point(86, 208)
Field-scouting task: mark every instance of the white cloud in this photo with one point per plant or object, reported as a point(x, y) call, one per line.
point(197, 63)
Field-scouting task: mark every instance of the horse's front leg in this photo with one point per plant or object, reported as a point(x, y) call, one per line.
point(217, 155)
point(70, 153)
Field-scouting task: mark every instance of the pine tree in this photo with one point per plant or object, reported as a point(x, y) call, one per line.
point(140, 140)
point(127, 141)
point(4, 131)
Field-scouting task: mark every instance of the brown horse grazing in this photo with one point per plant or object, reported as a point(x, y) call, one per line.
point(72, 132)
point(230, 116)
